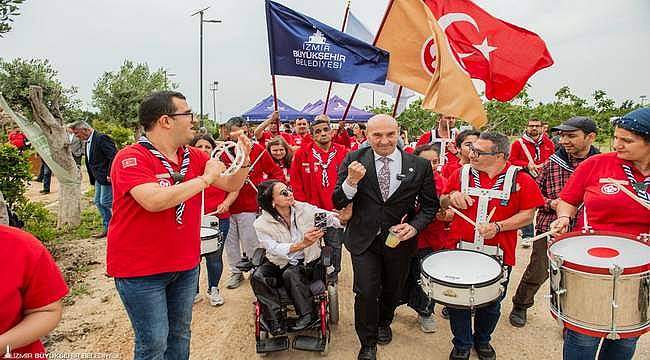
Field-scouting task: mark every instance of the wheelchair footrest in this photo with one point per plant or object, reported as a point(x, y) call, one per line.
point(278, 343)
point(309, 343)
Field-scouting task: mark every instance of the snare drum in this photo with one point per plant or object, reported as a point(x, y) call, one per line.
point(211, 240)
point(210, 221)
point(600, 283)
point(462, 278)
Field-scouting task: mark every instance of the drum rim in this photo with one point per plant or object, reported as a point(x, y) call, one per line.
point(582, 329)
point(634, 270)
point(210, 237)
point(462, 286)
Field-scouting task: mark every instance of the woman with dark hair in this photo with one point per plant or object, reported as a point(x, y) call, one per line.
point(287, 230)
point(217, 200)
point(609, 209)
point(359, 131)
point(281, 153)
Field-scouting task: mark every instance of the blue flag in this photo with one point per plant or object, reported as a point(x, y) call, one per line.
point(301, 46)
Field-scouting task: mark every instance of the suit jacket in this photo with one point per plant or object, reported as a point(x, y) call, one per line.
point(102, 152)
point(371, 214)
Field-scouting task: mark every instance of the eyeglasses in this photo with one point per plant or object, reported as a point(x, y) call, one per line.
point(189, 113)
point(478, 153)
point(286, 192)
point(535, 126)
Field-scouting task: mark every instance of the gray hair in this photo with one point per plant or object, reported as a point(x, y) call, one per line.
point(500, 141)
point(79, 124)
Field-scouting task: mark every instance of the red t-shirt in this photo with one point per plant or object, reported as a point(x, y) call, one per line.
point(518, 156)
point(434, 235)
point(608, 208)
point(264, 168)
point(342, 138)
point(266, 136)
point(29, 279)
point(526, 196)
point(306, 175)
point(140, 242)
point(18, 139)
point(301, 140)
point(449, 168)
point(213, 198)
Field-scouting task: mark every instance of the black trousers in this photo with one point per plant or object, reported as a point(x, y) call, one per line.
point(295, 279)
point(379, 277)
point(413, 295)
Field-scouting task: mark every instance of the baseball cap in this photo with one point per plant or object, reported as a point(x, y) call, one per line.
point(578, 123)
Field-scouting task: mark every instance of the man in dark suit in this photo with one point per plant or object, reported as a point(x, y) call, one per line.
point(100, 151)
point(383, 183)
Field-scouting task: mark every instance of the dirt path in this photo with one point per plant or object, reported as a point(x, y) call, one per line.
point(97, 322)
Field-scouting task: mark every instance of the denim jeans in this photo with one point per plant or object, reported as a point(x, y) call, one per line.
point(583, 347)
point(485, 321)
point(160, 309)
point(528, 231)
point(214, 260)
point(104, 202)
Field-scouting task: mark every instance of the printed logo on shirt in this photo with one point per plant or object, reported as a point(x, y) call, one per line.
point(164, 183)
point(130, 162)
point(609, 189)
point(307, 167)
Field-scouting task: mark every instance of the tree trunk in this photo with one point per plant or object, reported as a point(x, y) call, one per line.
point(57, 138)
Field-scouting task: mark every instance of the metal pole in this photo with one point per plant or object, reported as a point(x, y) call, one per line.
point(214, 99)
point(201, 67)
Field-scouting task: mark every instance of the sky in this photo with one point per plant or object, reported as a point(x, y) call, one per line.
point(596, 44)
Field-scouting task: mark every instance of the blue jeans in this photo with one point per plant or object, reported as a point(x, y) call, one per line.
point(583, 347)
point(214, 260)
point(528, 231)
point(104, 202)
point(160, 309)
point(485, 321)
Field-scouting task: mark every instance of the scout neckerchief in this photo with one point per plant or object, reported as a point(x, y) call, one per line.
point(537, 144)
point(561, 158)
point(640, 187)
point(325, 181)
point(176, 177)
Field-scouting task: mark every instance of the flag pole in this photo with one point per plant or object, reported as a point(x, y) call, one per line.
point(381, 26)
point(275, 103)
point(399, 95)
point(329, 87)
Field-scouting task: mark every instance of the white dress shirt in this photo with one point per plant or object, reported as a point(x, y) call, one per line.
point(395, 169)
point(90, 139)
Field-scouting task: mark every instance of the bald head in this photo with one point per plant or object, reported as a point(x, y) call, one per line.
point(383, 133)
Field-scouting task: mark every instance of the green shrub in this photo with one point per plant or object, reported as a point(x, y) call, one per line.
point(14, 168)
point(39, 221)
point(121, 135)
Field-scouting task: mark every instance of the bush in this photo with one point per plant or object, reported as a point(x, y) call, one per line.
point(14, 168)
point(121, 135)
point(39, 221)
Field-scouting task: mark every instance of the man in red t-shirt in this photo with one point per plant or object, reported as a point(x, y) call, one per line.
point(273, 123)
point(302, 136)
point(31, 289)
point(153, 244)
point(18, 139)
point(445, 133)
point(341, 135)
point(488, 169)
point(243, 211)
point(538, 148)
point(313, 176)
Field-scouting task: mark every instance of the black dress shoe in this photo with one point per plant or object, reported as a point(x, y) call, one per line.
point(518, 317)
point(44, 192)
point(367, 353)
point(485, 352)
point(458, 354)
point(304, 322)
point(384, 335)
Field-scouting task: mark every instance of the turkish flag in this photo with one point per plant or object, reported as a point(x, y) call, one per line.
point(503, 55)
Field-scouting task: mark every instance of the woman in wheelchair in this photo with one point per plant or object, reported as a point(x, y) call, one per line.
point(287, 232)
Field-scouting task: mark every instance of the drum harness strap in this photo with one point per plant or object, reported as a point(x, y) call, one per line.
point(484, 196)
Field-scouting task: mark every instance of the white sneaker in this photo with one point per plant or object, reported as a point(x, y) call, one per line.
point(197, 298)
point(427, 323)
point(214, 296)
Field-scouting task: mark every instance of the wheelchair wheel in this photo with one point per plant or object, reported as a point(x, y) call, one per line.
point(334, 304)
point(326, 350)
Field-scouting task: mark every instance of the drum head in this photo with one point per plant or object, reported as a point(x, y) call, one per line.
point(209, 233)
point(461, 267)
point(597, 253)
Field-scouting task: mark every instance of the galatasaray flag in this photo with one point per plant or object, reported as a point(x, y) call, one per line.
point(421, 59)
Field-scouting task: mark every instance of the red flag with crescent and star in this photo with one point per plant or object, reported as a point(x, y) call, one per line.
point(502, 55)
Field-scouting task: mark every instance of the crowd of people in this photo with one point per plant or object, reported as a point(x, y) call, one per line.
point(372, 185)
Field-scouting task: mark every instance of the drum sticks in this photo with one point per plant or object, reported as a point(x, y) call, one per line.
point(619, 184)
point(462, 216)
